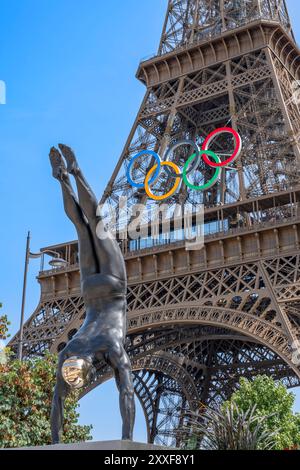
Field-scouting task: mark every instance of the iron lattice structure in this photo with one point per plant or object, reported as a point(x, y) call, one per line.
point(199, 320)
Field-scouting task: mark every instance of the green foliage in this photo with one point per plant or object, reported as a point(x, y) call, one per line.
point(230, 428)
point(4, 324)
point(26, 390)
point(273, 400)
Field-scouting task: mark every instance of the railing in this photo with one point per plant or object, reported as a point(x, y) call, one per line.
point(219, 234)
point(210, 33)
point(162, 244)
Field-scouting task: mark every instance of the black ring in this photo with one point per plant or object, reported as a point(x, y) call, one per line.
point(174, 147)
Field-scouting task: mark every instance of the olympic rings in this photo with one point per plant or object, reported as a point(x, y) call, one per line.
point(212, 181)
point(205, 152)
point(172, 191)
point(236, 153)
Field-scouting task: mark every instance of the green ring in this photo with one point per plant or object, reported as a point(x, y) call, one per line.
point(212, 181)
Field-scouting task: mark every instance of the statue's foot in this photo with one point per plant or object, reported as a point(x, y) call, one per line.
point(59, 170)
point(72, 165)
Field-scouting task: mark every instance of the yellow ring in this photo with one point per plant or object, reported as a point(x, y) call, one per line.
point(172, 191)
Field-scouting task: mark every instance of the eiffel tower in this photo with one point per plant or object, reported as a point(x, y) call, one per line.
point(199, 320)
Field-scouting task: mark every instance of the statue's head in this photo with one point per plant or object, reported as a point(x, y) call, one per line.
point(78, 371)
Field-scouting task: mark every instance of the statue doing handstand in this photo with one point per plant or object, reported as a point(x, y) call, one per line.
point(103, 286)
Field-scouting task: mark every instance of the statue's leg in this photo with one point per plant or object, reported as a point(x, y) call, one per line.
point(57, 411)
point(88, 259)
point(87, 198)
point(107, 248)
point(120, 362)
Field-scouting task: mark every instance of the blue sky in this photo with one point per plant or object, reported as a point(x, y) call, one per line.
point(69, 67)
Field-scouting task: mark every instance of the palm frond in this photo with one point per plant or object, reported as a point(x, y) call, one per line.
point(229, 429)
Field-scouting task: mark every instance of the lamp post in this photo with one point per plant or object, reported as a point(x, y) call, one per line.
point(20, 352)
point(56, 262)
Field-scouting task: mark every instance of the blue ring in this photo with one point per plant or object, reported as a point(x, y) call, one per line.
point(156, 173)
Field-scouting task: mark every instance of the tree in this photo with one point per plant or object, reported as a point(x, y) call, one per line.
point(4, 324)
point(25, 402)
point(274, 401)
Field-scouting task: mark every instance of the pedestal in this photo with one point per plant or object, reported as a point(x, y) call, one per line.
point(101, 445)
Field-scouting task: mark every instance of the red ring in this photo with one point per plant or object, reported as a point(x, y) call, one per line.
point(236, 152)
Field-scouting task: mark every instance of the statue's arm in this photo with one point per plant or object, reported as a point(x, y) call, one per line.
point(57, 411)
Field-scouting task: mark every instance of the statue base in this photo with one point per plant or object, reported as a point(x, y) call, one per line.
point(99, 445)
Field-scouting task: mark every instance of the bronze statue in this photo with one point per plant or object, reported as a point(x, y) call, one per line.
point(103, 285)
